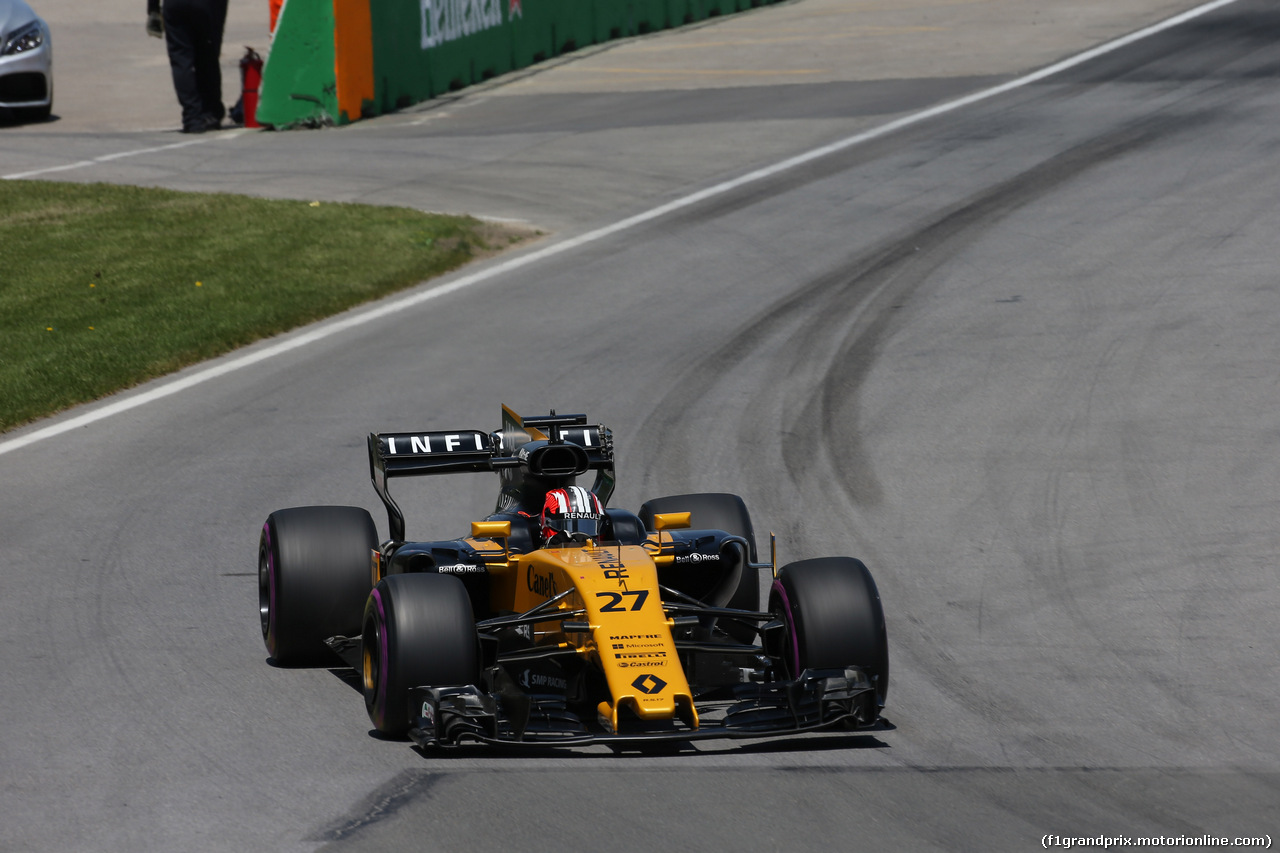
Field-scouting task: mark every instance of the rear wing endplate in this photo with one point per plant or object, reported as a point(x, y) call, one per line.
point(410, 454)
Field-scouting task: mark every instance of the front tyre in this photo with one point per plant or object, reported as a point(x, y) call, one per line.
point(834, 618)
point(716, 511)
point(313, 578)
point(418, 631)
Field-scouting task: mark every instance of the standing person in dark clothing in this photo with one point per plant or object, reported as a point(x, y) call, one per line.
point(192, 30)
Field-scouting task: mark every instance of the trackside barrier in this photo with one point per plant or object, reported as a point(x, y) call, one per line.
point(336, 61)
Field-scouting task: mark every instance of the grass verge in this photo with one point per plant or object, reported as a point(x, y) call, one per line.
point(103, 287)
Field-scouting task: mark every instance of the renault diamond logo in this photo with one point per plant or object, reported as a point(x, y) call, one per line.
point(649, 684)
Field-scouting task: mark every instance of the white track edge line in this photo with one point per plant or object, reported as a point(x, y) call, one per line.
point(329, 328)
point(119, 155)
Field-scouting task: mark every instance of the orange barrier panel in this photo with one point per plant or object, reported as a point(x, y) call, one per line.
point(352, 57)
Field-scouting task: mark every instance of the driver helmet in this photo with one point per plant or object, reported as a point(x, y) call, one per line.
point(571, 514)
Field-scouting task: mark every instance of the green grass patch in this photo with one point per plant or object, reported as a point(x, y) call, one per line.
point(103, 287)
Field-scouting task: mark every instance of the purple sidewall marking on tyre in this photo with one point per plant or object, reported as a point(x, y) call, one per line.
point(271, 592)
point(791, 627)
point(380, 702)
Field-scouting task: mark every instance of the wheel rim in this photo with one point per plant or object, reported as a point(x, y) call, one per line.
point(370, 668)
point(791, 655)
point(373, 659)
point(267, 591)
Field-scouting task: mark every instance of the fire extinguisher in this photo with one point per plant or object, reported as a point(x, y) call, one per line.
point(250, 80)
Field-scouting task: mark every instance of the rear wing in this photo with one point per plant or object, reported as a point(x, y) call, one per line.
point(550, 448)
point(404, 454)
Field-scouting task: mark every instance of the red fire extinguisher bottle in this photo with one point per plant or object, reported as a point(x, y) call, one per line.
point(250, 80)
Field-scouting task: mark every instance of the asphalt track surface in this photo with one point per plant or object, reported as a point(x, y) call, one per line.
point(1019, 357)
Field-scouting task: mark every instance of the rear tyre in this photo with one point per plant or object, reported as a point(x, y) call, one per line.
point(834, 618)
point(716, 511)
point(418, 630)
point(313, 578)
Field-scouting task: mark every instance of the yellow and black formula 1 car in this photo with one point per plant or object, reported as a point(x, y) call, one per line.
point(561, 621)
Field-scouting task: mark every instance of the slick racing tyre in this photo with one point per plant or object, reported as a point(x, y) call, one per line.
point(418, 631)
point(834, 618)
point(716, 511)
point(313, 578)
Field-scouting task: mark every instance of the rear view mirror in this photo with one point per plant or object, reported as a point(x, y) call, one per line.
point(490, 530)
point(672, 521)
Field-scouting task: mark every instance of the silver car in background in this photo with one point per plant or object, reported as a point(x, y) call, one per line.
point(26, 63)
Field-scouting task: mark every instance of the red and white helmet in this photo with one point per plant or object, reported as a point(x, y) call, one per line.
point(571, 514)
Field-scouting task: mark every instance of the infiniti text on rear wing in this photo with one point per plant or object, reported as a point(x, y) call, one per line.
point(575, 448)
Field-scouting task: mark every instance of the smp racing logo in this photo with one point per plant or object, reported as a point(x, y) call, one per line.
point(531, 680)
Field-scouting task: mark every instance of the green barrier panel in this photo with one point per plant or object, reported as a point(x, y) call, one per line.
point(470, 61)
point(400, 71)
point(575, 26)
point(532, 34)
point(700, 10)
point(298, 81)
point(424, 48)
point(679, 12)
point(477, 57)
point(609, 19)
point(624, 18)
point(650, 15)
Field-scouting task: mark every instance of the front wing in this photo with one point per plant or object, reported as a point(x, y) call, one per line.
point(455, 715)
point(819, 699)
